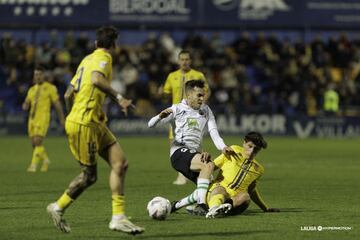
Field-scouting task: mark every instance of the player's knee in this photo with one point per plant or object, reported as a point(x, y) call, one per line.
point(121, 166)
point(90, 178)
point(37, 141)
point(246, 198)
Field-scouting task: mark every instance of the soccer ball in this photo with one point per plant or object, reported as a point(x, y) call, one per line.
point(159, 208)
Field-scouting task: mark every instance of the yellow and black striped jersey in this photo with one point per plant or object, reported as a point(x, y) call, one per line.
point(236, 173)
point(175, 82)
point(87, 108)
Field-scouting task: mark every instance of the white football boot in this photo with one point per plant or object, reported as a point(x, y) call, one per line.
point(219, 211)
point(57, 217)
point(124, 225)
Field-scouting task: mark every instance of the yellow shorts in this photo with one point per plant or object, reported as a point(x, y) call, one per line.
point(37, 128)
point(86, 141)
point(215, 185)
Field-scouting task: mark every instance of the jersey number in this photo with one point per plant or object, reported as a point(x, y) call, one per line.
point(78, 81)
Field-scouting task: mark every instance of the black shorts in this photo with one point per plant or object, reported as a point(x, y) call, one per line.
point(181, 161)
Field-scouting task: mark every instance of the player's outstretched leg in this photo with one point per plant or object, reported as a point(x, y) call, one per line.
point(219, 211)
point(57, 216)
point(119, 222)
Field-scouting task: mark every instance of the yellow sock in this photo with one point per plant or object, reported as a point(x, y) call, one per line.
point(36, 157)
point(216, 200)
point(64, 201)
point(43, 153)
point(118, 204)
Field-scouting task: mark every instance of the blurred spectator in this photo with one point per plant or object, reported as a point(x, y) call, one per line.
point(260, 74)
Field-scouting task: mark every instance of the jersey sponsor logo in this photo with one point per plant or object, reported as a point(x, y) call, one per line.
point(192, 123)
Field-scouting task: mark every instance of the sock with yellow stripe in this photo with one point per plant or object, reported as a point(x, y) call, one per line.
point(118, 205)
point(216, 200)
point(64, 201)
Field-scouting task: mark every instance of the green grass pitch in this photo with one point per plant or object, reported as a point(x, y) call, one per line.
point(314, 182)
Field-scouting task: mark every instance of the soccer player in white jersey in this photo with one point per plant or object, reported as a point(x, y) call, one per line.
point(189, 118)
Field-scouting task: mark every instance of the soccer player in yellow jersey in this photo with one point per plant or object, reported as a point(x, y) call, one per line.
point(89, 136)
point(235, 185)
point(174, 90)
point(39, 99)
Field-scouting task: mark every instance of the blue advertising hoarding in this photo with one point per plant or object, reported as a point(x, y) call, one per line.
point(181, 13)
point(274, 124)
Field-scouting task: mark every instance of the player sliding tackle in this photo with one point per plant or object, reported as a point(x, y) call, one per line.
point(189, 119)
point(235, 185)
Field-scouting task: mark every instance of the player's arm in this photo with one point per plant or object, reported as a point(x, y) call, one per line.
point(164, 116)
point(166, 90)
point(215, 137)
point(59, 111)
point(26, 104)
point(100, 81)
point(257, 199)
point(69, 98)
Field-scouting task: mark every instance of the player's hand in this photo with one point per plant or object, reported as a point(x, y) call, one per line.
point(228, 152)
point(125, 104)
point(205, 157)
point(25, 106)
point(165, 113)
point(272, 210)
point(160, 90)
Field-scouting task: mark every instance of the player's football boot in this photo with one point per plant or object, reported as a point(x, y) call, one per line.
point(124, 225)
point(219, 211)
point(58, 219)
point(173, 208)
point(31, 168)
point(45, 166)
point(200, 209)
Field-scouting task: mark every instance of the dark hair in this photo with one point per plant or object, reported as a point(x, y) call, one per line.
point(106, 37)
point(184, 52)
point(257, 139)
point(40, 67)
point(191, 84)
